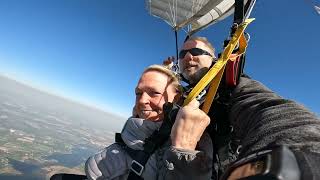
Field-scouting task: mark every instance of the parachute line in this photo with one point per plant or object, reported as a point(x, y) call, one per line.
point(173, 12)
point(170, 15)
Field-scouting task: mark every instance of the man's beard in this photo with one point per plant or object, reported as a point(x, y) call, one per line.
point(195, 77)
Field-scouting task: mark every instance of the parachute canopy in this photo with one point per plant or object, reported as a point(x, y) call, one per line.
point(317, 8)
point(193, 14)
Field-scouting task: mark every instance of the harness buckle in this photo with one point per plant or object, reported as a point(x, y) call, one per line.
point(136, 167)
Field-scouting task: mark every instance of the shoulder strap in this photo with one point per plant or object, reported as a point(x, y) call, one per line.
point(139, 159)
point(152, 143)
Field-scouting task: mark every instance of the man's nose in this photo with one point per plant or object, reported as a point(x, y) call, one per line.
point(188, 57)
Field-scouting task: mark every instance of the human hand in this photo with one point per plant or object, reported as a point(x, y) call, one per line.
point(189, 126)
point(169, 62)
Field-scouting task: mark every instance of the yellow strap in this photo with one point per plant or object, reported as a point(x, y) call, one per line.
point(218, 67)
point(212, 91)
point(216, 80)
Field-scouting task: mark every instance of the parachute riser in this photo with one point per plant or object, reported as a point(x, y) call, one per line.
point(235, 68)
point(227, 63)
point(221, 62)
point(242, 11)
point(235, 65)
point(236, 44)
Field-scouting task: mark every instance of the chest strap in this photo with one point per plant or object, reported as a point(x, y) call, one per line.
point(152, 143)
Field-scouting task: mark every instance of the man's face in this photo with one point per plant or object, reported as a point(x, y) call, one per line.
point(193, 68)
point(152, 92)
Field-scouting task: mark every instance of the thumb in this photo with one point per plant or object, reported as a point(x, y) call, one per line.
point(194, 104)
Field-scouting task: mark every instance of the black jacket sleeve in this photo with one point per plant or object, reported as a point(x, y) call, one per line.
point(261, 118)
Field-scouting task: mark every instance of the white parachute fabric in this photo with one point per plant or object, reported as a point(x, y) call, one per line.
point(174, 12)
point(196, 14)
point(217, 13)
point(315, 5)
point(317, 8)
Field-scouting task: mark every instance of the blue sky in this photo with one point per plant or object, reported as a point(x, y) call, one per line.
point(93, 51)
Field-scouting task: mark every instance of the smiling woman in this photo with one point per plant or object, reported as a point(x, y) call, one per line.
point(130, 156)
point(90, 51)
point(156, 86)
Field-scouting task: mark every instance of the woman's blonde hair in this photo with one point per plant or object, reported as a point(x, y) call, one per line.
point(173, 77)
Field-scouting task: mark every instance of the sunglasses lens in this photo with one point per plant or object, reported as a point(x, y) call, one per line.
point(193, 52)
point(182, 53)
point(196, 51)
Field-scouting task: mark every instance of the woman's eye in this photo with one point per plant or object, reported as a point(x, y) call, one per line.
point(156, 93)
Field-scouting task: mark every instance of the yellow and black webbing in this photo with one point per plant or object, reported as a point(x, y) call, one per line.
point(215, 73)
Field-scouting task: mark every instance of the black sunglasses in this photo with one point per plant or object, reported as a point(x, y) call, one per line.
point(193, 52)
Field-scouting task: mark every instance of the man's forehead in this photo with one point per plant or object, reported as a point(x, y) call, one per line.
point(194, 43)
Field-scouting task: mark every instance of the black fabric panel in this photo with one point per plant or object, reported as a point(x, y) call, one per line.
point(261, 118)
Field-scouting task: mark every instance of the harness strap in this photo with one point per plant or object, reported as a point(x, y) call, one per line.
point(139, 159)
point(216, 71)
point(152, 143)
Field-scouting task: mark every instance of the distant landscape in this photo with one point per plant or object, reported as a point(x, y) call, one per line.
point(43, 134)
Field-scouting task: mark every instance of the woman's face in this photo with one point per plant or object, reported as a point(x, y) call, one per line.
point(152, 92)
